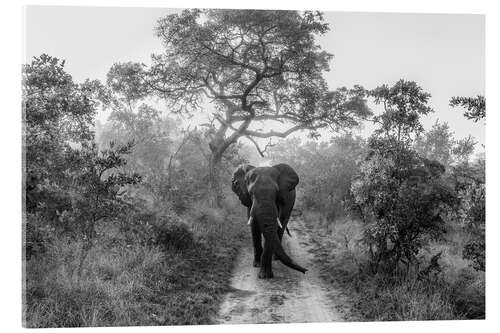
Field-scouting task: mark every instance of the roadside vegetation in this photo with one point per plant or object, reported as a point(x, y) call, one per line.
point(132, 221)
point(398, 219)
point(117, 231)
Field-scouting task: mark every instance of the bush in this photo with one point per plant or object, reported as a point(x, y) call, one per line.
point(129, 281)
point(468, 294)
point(452, 291)
point(37, 236)
point(162, 228)
point(172, 235)
point(473, 205)
point(402, 197)
point(325, 169)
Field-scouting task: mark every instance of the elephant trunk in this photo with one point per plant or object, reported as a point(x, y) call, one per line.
point(271, 236)
point(265, 213)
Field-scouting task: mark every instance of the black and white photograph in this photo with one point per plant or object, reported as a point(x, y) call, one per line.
point(214, 166)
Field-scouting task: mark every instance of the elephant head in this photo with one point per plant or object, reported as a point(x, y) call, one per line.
point(239, 186)
point(260, 189)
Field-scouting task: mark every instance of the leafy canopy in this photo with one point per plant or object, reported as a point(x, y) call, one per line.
point(476, 106)
point(252, 65)
point(404, 103)
point(70, 183)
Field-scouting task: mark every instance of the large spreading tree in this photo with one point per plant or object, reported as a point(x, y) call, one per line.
point(253, 66)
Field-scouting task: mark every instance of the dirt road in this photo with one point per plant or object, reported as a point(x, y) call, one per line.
point(290, 297)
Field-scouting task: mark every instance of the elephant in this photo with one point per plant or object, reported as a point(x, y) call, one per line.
point(269, 195)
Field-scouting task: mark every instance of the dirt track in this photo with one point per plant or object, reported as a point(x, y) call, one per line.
point(290, 297)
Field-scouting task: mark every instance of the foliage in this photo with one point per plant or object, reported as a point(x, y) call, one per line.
point(436, 144)
point(400, 194)
point(455, 291)
point(255, 66)
point(173, 163)
point(164, 229)
point(37, 235)
point(476, 106)
point(439, 144)
point(463, 149)
point(325, 169)
point(404, 103)
point(97, 190)
point(133, 284)
point(70, 185)
point(469, 182)
point(58, 115)
point(154, 145)
point(135, 262)
point(402, 205)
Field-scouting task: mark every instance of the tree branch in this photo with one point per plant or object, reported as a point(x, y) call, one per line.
point(281, 134)
point(261, 153)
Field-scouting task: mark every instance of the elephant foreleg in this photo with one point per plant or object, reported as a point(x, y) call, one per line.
point(257, 244)
point(285, 208)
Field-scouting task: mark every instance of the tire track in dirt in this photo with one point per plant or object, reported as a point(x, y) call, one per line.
point(290, 297)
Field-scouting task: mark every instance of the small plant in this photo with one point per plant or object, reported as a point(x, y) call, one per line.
point(169, 234)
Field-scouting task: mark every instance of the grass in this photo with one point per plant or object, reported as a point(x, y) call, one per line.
point(457, 292)
point(136, 284)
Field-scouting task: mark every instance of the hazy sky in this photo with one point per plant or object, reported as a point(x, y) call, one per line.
point(445, 54)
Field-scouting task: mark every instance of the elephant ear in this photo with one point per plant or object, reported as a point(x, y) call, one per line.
point(288, 178)
point(239, 186)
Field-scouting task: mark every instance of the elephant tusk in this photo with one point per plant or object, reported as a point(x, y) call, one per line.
point(250, 220)
point(279, 223)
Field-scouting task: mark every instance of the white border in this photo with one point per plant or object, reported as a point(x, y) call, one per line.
point(11, 60)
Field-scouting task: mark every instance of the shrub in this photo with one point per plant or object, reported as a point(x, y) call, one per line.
point(468, 293)
point(163, 228)
point(38, 235)
point(402, 198)
point(474, 219)
point(172, 235)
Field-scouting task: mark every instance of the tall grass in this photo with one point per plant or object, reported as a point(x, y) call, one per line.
point(134, 283)
point(454, 291)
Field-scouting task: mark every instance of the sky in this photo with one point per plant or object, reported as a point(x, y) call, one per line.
point(443, 53)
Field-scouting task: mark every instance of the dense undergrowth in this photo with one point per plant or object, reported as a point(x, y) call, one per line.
point(446, 288)
point(176, 274)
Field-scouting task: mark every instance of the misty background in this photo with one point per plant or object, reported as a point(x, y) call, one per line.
point(444, 53)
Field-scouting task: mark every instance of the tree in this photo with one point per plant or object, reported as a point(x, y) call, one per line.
point(58, 114)
point(404, 103)
point(400, 194)
point(476, 106)
point(253, 66)
point(70, 184)
point(436, 144)
point(96, 191)
point(154, 149)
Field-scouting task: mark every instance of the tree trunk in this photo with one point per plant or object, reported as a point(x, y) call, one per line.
point(214, 186)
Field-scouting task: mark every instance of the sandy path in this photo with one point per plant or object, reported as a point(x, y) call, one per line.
point(290, 297)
